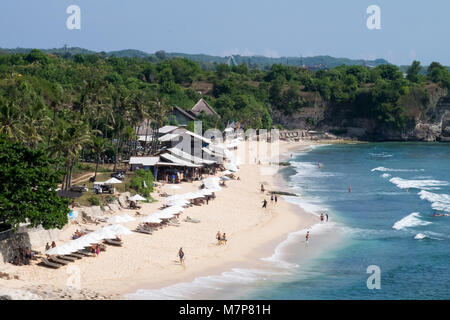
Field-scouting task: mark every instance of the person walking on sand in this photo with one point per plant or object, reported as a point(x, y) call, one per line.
point(218, 237)
point(262, 188)
point(276, 199)
point(307, 237)
point(224, 238)
point(321, 218)
point(181, 255)
point(264, 203)
point(271, 197)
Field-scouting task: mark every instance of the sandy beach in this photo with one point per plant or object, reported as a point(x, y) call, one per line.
point(150, 261)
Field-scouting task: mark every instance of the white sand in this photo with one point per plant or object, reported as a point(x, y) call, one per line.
point(150, 261)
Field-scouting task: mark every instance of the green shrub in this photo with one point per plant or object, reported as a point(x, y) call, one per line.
point(137, 183)
point(94, 201)
point(109, 199)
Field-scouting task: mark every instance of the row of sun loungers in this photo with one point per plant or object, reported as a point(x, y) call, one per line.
point(56, 262)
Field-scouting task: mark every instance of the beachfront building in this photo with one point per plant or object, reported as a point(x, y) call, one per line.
point(183, 117)
point(203, 106)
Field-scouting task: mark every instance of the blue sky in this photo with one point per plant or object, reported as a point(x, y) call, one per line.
point(409, 29)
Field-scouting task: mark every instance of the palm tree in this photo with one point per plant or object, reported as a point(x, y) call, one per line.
point(99, 146)
point(68, 142)
point(10, 120)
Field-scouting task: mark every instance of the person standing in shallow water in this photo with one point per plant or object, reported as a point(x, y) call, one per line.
point(307, 237)
point(181, 255)
point(349, 188)
point(326, 216)
point(264, 203)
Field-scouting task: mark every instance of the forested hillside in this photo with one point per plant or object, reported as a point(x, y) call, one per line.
point(92, 104)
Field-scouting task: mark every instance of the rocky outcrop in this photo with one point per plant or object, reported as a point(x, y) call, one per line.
point(430, 120)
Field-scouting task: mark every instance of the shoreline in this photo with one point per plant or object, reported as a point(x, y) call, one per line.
point(253, 235)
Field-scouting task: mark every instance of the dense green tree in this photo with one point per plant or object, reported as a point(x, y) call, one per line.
point(413, 72)
point(28, 182)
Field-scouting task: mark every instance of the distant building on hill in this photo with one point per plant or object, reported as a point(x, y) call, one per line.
point(183, 117)
point(203, 106)
point(231, 62)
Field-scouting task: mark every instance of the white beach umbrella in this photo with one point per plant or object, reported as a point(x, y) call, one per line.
point(174, 197)
point(151, 219)
point(92, 237)
point(106, 233)
point(59, 250)
point(192, 195)
point(179, 203)
point(112, 181)
point(137, 197)
point(123, 218)
point(128, 218)
point(119, 229)
point(82, 242)
point(172, 210)
point(206, 192)
point(116, 219)
point(164, 215)
point(212, 183)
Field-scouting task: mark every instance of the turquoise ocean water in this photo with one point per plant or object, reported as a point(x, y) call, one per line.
point(386, 220)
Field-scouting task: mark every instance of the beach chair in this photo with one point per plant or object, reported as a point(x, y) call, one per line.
point(76, 255)
point(49, 264)
point(60, 261)
point(85, 253)
point(113, 242)
point(71, 259)
point(143, 230)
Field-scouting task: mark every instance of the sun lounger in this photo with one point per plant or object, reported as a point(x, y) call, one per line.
point(143, 230)
point(71, 259)
point(49, 264)
point(192, 220)
point(113, 242)
point(76, 255)
point(85, 253)
point(60, 261)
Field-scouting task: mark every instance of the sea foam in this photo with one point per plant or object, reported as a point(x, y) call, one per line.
point(438, 201)
point(418, 184)
point(384, 169)
point(410, 221)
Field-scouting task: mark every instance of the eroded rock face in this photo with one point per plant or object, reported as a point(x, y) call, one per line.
point(427, 132)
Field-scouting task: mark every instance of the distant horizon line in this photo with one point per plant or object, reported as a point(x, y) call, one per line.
point(205, 54)
point(208, 54)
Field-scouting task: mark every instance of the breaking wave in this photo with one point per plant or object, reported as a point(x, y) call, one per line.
point(410, 221)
